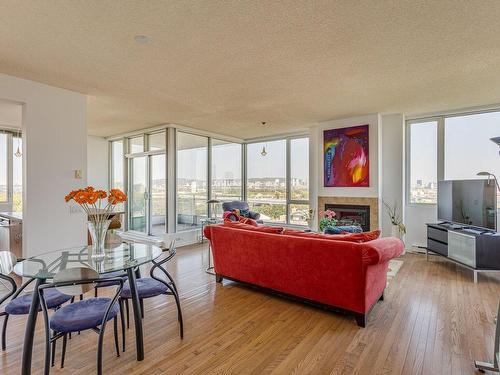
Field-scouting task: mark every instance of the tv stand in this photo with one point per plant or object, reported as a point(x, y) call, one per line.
point(475, 248)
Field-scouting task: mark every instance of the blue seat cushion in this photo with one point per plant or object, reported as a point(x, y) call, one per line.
point(112, 275)
point(21, 305)
point(146, 287)
point(342, 229)
point(82, 315)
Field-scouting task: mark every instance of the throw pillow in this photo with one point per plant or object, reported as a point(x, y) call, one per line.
point(247, 220)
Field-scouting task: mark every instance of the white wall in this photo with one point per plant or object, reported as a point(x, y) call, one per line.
point(97, 162)
point(392, 171)
point(55, 144)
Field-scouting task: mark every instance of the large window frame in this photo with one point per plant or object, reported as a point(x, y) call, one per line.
point(10, 149)
point(288, 176)
point(169, 143)
point(440, 119)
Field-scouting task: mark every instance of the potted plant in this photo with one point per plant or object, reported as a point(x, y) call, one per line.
point(398, 228)
point(327, 218)
point(98, 205)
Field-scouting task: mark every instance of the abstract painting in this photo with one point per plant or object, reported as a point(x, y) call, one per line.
point(346, 160)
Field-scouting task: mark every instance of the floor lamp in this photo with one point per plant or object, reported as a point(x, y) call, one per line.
point(485, 366)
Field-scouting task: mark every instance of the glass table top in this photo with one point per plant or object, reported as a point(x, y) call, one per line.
point(118, 257)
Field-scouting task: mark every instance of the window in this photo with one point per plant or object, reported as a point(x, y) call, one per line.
point(17, 174)
point(192, 176)
point(423, 162)
point(266, 179)
point(299, 181)
point(226, 170)
point(117, 165)
point(157, 141)
point(467, 146)
point(4, 159)
point(136, 144)
point(277, 195)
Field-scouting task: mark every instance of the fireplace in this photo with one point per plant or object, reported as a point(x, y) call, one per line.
point(351, 214)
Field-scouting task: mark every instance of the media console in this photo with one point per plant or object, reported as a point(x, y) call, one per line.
point(475, 248)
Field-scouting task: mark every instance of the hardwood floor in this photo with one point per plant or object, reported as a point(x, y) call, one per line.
point(434, 320)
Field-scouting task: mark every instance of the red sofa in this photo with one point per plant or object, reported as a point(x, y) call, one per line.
point(341, 275)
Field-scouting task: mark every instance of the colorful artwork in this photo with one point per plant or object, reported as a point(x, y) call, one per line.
point(346, 157)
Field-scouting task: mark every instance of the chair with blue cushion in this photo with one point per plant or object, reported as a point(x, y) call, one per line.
point(20, 304)
point(90, 314)
point(148, 287)
point(243, 207)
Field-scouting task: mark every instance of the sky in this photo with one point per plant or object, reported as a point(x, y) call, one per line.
point(468, 148)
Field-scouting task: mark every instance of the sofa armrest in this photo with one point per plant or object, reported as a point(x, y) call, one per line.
point(254, 215)
point(207, 231)
point(382, 250)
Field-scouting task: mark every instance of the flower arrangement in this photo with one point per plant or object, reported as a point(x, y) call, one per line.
point(396, 218)
point(327, 218)
point(98, 205)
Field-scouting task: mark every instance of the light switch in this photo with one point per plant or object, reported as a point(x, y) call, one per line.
point(78, 173)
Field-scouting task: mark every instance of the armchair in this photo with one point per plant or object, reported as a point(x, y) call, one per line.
point(241, 205)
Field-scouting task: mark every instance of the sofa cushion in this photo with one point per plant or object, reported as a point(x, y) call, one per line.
point(259, 228)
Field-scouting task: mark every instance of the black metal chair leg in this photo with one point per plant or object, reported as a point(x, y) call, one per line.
point(142, 307)
point(47, 352)
point(115, 329)
point(122, 320)
point(171, 280)
point(53, 350)
point(128, 313)
point(63, 354)
point(4, 332)
point(99, 351)
point(95, 292)
point(179, 311)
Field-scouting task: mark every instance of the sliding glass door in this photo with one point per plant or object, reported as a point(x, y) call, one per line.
point(147, 184)
point(139, 194)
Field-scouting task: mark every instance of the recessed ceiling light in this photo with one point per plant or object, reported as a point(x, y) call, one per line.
point(142, 39)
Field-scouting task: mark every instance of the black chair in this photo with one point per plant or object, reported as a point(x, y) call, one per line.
point(89, 314)
point(148, 287)
point(241, 205)
point(20, 304)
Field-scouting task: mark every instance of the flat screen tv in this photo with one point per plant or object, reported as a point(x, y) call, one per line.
point(468, 202)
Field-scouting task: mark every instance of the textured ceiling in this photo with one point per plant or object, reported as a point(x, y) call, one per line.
point(224, 66)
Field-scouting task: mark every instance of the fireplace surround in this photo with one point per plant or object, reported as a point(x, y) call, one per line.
point(351, 214)
point(371, 202)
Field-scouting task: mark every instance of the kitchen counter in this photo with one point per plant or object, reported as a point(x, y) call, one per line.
point(18, 216)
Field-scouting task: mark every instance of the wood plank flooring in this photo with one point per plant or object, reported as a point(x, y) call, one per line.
point(434, 320)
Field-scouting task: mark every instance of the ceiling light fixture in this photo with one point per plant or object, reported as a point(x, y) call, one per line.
point(142, 39)
point(18, 152)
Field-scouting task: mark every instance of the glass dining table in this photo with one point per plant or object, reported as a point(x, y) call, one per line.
point(119, 257)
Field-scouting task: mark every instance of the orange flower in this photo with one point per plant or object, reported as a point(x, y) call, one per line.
point(101, 194)
point(81, 197)
point(116, 196)
point(92, 197)
point(70, 196)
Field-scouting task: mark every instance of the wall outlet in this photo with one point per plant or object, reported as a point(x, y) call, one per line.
point(78, 174)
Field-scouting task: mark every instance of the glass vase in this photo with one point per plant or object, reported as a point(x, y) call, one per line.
point(98, 232)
